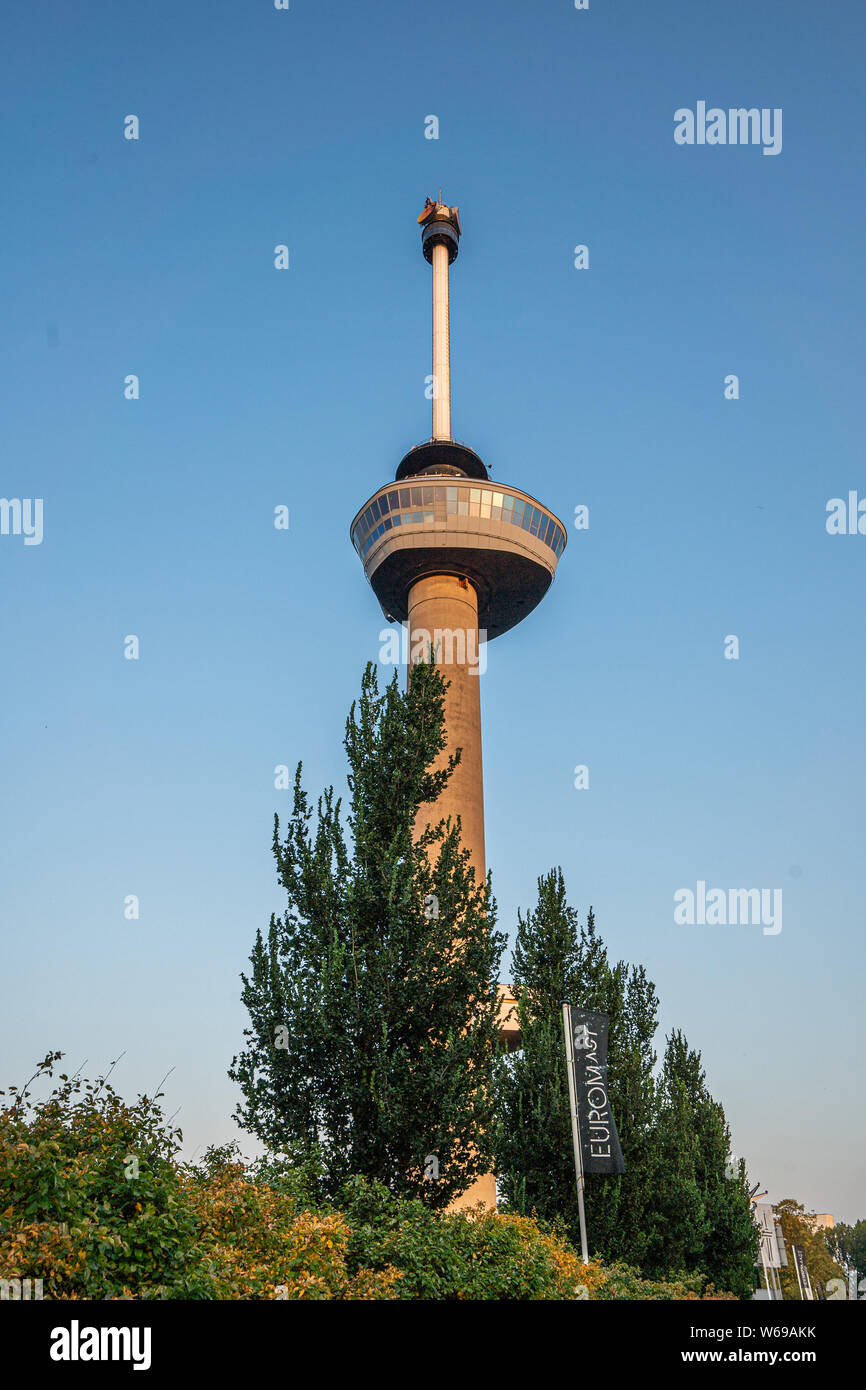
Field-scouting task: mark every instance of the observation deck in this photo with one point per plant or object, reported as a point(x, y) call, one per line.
point(499, 538)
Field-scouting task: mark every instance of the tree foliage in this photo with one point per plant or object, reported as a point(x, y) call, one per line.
point(799, 1229)
point(847, 1244)
point(372, 1000)
point(90, 1201)
point(674, 1208)
point(703, 1218)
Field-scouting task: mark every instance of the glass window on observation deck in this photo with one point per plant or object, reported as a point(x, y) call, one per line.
point(422, 505)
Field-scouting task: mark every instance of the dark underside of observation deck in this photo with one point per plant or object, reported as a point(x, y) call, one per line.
point(508, 586)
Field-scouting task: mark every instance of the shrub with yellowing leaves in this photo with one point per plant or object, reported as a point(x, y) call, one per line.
point(90, 1200)
point(260, 1243)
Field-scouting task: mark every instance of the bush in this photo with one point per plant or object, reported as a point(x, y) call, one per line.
point(95, 1203)
point(91, 1199)
point(620, 1281)
point(262, 1241)
point(469, 1254)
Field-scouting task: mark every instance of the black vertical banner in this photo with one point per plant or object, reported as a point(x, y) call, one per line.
point(599, 1141)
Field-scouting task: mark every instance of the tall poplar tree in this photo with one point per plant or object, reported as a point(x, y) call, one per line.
point(702, 1218)
point(532, 1136)
point(618, 1207)
point(676, 1226)
point(372, 1000)
point(556, 960)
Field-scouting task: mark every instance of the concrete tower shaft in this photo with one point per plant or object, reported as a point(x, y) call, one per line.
point(446, 609)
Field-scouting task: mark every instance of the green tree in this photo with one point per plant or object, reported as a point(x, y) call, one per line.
point(674, 1209)
point(847, 1244)
point(675, 1218)
point(556, 960)
point(372, 1000)
point(618, 1208)
point(709, 1225)
point(532, 1135)
point(798, 1229)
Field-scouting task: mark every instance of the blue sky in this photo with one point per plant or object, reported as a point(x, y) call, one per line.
point(602, 387)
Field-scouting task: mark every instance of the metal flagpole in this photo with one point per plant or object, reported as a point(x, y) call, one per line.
point(575, 1132)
